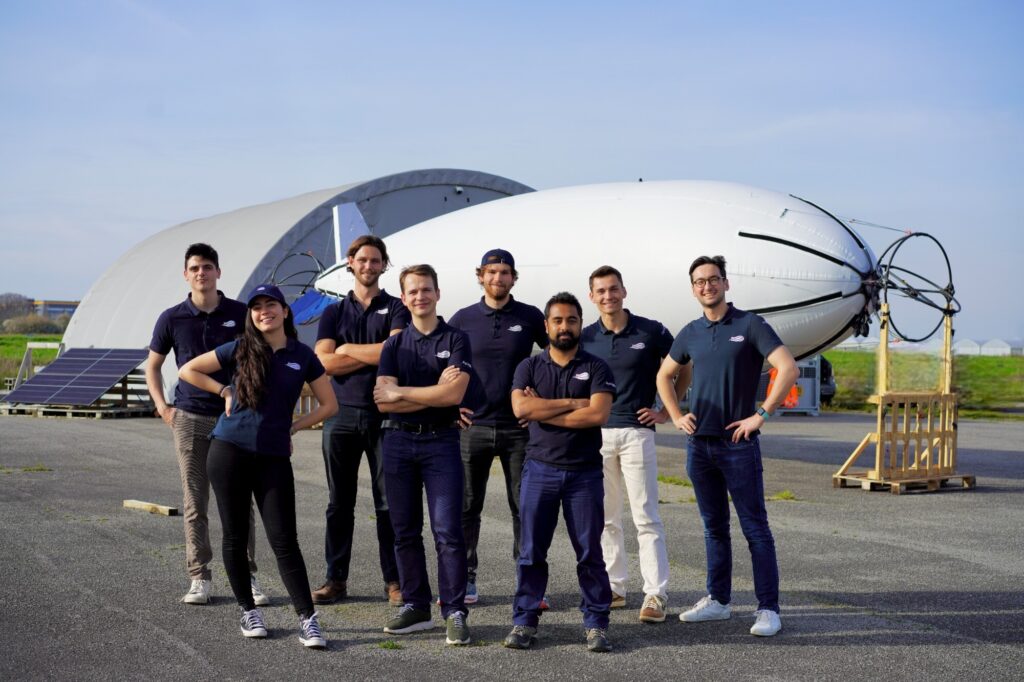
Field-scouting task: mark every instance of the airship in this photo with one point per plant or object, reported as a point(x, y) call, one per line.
point(810, 274)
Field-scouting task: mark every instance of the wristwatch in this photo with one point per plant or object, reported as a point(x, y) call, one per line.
point(764, 414)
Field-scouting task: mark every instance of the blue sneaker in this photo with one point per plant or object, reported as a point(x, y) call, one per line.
point(472, 596)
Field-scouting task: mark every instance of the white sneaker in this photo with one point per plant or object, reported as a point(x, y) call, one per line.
point(252, 624)
point(767, 623)
point(258, 595)
point(706, 609)
point(198, 593)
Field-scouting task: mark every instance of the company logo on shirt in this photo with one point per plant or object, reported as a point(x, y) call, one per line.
point(444, 354)
point(582, 376)
point(229, 323)
point(294, 365)
point(639, 345)
point(736, 339)
point(611, 384)
point(467, 364)
point(382, 311)
point(516, 328)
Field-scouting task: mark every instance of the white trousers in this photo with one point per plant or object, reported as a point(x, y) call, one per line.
point(631, 468)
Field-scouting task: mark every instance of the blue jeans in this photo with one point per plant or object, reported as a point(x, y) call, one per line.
point(480, 445)
point(580, 494)
point(347, 435)
point(414, 463)
point(719, 468)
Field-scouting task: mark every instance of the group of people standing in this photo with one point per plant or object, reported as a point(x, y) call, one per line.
point(432, 403)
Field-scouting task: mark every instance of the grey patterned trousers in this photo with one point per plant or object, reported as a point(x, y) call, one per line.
point(192, 442)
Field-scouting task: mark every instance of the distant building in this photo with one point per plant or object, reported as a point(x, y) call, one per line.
point(1002, 348)
point(54, 309)
point(967, 347)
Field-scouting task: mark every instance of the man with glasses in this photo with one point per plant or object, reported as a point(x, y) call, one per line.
point(723, 352)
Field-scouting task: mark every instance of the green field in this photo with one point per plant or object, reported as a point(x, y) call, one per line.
point(12, 349)
point(985, 384)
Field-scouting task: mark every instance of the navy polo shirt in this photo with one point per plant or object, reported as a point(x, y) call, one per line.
point(584, 376)
point(634, 355)
point(190, 332)
point(266, 428)
point(501, 339)
point(416, 359)
point(727, 359)
point(347, 321)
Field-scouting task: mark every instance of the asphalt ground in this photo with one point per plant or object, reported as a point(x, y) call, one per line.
point(921, 586)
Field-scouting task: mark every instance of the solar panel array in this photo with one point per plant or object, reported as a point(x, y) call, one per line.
point(80, 376)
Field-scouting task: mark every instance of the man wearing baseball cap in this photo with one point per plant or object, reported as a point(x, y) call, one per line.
point(502, 332)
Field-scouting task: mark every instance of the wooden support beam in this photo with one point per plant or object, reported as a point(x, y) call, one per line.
point(151, 507)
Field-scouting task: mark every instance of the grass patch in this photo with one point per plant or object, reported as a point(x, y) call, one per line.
point(674, 480)
point(36, 468)
point(987, 385)
point(389, 644)
point(784, 496)
point(12, 350)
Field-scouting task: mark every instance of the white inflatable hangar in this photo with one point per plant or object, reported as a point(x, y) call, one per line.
point(120, 309)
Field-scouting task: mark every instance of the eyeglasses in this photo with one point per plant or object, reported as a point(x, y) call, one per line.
point(713, 281)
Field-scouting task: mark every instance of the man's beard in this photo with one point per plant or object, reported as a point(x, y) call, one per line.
point(565, 342)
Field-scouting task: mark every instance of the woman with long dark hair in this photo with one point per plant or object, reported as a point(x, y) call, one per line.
point(251, 446)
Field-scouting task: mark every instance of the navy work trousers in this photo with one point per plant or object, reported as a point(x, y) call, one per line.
point(347, 435)
point(719, 468)
point(431, 462)
point(580, 495)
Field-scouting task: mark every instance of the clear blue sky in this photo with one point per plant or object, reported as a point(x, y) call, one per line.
point(119, 118)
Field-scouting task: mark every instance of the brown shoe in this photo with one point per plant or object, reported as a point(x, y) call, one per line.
point(330, 592)
point(618, 601)
point(394, 594)
point(653, 610)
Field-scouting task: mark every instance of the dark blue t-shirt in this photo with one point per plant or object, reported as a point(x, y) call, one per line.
point(501, 339)
point(634, 355)
point(266, 429)
point(416, 359)
point(727, 359)
point(347, 321)
point(584, 376)
point(190, 332)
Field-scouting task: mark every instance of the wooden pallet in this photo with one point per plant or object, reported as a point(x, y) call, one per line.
point(78, 411)
point(903, 485)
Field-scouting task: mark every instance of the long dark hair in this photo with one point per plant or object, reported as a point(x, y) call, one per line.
point(252, 358)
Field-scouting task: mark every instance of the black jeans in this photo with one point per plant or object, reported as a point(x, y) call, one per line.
point(480, 445)
point(237, 476)
point(347, 435)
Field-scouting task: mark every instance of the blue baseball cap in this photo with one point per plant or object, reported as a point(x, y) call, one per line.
point(498, 256)
point(268, 290)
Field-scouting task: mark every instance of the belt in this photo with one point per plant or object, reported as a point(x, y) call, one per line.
point(415, 427)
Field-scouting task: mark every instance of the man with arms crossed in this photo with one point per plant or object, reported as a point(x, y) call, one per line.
point(349, 340)
point(566, 394)
point(502, 332)
point(633, 347)
point(204, 320)
point(423, 375)
point(723, 352)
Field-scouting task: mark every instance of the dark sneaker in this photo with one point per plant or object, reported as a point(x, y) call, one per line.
point(252, 624)
point(597, 640)
point(618, 601)
point(472, 596)
point(521, 637)
point(330, 592)
point(394, 594)
point(458, 631)
point(409, 619)
point(310, 634)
